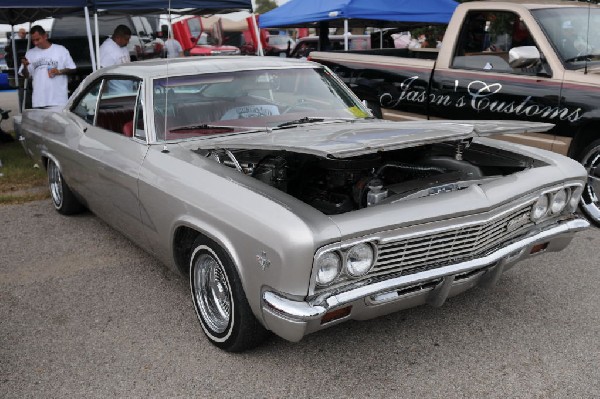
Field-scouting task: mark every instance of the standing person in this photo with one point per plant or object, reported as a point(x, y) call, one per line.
point(172, 47)
point(22, 34)
point(47, 64)
point(114, 49)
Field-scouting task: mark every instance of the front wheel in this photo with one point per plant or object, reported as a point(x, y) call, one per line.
point(62, 197)
point(219, 299)
point(590, 202)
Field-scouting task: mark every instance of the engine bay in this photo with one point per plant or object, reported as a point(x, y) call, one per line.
point(340, 185)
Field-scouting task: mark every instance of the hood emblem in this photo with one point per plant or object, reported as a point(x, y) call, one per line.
point(263, 261)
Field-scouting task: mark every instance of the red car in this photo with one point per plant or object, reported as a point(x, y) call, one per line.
point(195, 41)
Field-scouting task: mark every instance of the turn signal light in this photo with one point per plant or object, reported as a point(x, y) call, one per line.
point(336, 314)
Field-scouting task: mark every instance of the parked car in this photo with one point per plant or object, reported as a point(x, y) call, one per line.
point(291, 208)
point(207, 46)
point(195, 41)
point(306, 45)
point(271, 45)
point(278, 44)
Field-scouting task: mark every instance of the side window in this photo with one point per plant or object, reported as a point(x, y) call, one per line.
point(117, 104)
point(85, 108)
point(486, 39)
point(140, 131)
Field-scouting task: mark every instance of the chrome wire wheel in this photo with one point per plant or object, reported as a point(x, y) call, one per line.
point(212, 293)
point(55, 183)
point(590, 203)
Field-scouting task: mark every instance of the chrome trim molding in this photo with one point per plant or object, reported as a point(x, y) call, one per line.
point(305, 311)
point(386, 242)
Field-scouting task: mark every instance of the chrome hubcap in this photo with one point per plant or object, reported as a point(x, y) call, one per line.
point(55, 182)
point(212, 293)
point(589, 200)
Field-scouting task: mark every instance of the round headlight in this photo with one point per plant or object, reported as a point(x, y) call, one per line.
point(359, 259)
point(559, 201)
point(575, 198)
point(540, 208)
point(328, 266)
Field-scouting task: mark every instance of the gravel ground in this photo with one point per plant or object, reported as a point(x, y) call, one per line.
point(85, 313)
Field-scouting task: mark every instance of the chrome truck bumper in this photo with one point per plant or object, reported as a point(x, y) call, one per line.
point(293, 319)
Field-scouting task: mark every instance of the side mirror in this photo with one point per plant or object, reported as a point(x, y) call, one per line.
point(519, 57)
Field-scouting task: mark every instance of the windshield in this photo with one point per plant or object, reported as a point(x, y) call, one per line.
point(202, 105)
point(573, 32)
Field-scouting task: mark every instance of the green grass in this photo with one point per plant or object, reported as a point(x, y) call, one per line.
point(20, 181)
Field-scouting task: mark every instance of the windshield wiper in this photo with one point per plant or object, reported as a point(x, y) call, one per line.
point(301, 121)
point(584, 57)
point(203, 127)
point(306, 119)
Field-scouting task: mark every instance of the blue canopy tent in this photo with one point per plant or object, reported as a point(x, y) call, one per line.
point(380, 13)
point(299, 13)
point(13, 12)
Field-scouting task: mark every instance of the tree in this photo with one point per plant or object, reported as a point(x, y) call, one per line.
point(262, 6)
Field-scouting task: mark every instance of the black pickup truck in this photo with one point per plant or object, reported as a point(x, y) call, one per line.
point(530, 60)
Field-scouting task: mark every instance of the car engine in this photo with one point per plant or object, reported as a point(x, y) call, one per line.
point(340, 185)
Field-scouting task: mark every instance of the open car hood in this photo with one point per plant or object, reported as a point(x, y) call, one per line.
point(343, 140)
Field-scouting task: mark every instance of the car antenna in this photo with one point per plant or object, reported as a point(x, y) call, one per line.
point(587, 38)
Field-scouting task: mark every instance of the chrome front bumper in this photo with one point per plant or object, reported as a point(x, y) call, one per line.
point(292, 319)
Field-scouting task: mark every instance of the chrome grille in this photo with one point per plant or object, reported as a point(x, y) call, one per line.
point(451, 245)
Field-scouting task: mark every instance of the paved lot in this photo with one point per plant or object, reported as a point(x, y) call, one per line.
point(85, 313)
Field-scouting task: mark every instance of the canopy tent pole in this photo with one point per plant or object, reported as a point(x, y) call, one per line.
point(259, 48)
point(90, 39)
point(380, 37)
point(26, 82)
point(345, 34)
point(97, 39)
point(15, 65)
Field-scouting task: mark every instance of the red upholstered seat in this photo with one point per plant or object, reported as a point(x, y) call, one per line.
point(128, 129)
point(114, 119)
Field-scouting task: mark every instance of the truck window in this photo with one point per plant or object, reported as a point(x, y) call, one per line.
point(487, 37)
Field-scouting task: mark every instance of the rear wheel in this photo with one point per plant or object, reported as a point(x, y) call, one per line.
point(219, 299)
point(62, 197)
point(590, 201)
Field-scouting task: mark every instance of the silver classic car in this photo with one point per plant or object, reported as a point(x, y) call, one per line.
point(291, 208)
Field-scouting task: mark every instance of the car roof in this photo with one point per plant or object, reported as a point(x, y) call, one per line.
point(533, 4)
point(192, 65)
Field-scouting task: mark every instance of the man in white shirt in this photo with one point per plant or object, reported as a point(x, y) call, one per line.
point(48, 65)
point(171, 47)
point(114, 50)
